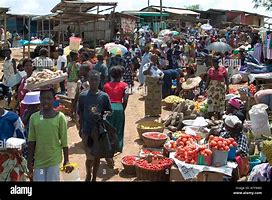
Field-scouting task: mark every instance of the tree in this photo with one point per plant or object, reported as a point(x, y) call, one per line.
point(194, 7)
point(263, 3)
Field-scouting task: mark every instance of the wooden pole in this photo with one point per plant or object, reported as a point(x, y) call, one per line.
point(161, 9)
point(49, 38)
point(42, 28)
point(5, 27)
point(59, 32)
point(29, 35)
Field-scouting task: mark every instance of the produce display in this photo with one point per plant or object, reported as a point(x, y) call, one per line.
point(187, 153)
point(184, 110)
point(171, 145)
point(129, 160)
point(155, 163)
point(155, 136)
point(204, 156)
point(221, 144)
point(173, 99)
point(252, 89)
point(204, 151)
point(43, 76)
point(150, 127)
point(146, 152)
point(233, 91)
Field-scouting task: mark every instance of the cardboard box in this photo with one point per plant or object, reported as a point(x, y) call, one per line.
point(175, 176)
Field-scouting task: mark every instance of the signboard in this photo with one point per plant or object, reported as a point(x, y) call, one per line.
point(128, 25)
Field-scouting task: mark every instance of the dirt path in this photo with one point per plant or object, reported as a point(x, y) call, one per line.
point(132, 144)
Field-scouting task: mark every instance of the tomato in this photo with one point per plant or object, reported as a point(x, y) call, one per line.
point(226, 148)
point(213, 143)
point(234, 144)
point(230, 146)
point(219, 143)
point(231, 139)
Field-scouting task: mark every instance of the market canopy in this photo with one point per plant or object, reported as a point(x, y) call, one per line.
point(81, 7)
point(3, 10)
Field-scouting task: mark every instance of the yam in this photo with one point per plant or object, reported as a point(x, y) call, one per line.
point(188, 112)
point(190, 117)
point(176, 108)
point(174, 118)
point(192, 107)
point(180, 124)
point(181, 107)
point(168, 121)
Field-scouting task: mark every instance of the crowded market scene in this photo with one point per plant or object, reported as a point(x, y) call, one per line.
point(172, 94)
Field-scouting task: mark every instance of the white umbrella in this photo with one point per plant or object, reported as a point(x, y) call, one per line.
point(206, 27)
point(165, 32)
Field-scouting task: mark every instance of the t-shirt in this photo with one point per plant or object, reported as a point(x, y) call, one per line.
point(60, 60)
point(88, 105)
point(115, 90)
point(11, 125)
point(50, 136)
point(102, 68)
point(73, 72)
point(43, 63)
point(155, 71)
point(219, 74)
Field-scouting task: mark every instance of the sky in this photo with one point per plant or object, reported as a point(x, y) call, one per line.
point(41, 7)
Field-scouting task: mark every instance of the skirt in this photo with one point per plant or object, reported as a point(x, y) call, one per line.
point(117, 120)
point(153, 98)
point(216, 96)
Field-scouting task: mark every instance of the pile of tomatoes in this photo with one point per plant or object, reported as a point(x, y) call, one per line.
point(129, 160)
point(188, 154)
point(158, 163)
point(146, 151)
point(252, 89)
point(221, 144)
point(155, 136)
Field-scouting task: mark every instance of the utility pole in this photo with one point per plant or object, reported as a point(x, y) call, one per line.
point(148, 3)
point(161, 9)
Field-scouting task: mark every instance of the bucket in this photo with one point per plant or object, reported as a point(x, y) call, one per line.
point(73, 176)
point(71, 89)
point(254, 162)
point(219, 158)
point(232, 152)
point(202, 160)
point(74, 44)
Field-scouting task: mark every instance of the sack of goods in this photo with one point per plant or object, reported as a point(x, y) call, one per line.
point(259, 119)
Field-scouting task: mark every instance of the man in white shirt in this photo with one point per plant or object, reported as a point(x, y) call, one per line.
point(61, 65)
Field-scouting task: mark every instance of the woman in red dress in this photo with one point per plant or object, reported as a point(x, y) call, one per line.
point(118, 93)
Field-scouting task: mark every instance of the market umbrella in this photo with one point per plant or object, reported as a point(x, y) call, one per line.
point(165, 32)
point(219, 47)
point(110, 45)
point(175, 33)
point(157, 40)
point(206, 27)
point(118, 50)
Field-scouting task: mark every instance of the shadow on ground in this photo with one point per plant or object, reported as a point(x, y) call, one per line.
point(76, 148)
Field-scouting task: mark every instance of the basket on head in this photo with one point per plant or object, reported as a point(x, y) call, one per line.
point(155, 143)
point(149, 126)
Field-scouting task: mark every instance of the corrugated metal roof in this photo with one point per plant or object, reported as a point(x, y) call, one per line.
point(176, 11)
point(3, 10)
point(80, 6)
